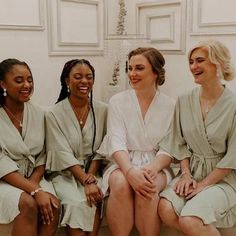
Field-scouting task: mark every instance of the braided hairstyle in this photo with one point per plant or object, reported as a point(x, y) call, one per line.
point(5, 67)
point(155, 58)
point(65, 93)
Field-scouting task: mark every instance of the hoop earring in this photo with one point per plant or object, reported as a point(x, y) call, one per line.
point(4, 92)
point(68, 89)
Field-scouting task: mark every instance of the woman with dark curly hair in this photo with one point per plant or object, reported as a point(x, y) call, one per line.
point(75, 129)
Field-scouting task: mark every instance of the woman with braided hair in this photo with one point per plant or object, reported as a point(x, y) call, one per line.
point(75, 129)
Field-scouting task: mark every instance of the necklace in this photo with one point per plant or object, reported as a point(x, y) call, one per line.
point(80, 117)
point(19, 121)
point(207, 108)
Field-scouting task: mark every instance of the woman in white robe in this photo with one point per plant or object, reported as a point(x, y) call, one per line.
point(203, 137)
point(137, 120)
point(75, 129)
point(26, 198)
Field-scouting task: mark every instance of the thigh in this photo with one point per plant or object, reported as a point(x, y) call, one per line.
point(211, 204)
point(9, 202)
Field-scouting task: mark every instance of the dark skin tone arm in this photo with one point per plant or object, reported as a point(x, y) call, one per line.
point(44, 200)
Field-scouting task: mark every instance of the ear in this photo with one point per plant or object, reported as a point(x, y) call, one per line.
point(67, 81)
point(1, 84)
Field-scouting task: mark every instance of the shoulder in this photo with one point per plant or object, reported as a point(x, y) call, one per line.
point(99, 104)
point(166, 99)
point(120, 97)
point(57, 109)
point(35, 109)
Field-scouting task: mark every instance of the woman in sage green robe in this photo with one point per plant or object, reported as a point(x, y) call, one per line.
point(27, 200)
point(70, 145)
point(203, 138)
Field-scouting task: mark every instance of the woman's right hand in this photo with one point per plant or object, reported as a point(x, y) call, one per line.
point(184, 185)
point(93, 194)
point(141, 182)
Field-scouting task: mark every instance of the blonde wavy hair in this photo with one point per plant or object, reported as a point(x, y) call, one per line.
point(219, 55)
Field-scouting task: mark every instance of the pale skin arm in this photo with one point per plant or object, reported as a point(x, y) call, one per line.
point(140, 180)
point(214, 177)
point(162, 161)
point(186, 181)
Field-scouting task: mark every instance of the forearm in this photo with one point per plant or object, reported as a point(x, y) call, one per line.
point(215, 176)
point(93, 168)
point(17, 180)
point(185, 166)
point(122, 159)
point(78, 173)
point(37, 174)
point(162, 161)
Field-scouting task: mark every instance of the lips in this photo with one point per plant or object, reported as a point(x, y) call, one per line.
point(84, 89)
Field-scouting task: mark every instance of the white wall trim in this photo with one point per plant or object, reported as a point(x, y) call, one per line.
point(198, 27)
point(176, 43)
point(74, 46)
point(19, 26)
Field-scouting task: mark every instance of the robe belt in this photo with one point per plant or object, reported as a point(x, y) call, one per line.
point(26, 165)
point(199, 166)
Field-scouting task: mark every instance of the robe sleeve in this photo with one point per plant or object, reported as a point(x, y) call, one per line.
point(116, 131)
point(174, 142)
point(41, 158)
point(60, 156)
point(229, 160)
point(7, 165)
point(115, 139)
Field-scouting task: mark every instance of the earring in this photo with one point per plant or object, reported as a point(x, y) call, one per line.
point(4, 92)
point(68, 89)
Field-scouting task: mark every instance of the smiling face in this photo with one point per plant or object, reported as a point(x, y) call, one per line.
point(80, 81)
point(140, 73)
point(203, 70)
point(18, 83)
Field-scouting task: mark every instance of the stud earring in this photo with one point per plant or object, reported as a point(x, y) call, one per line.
point(4, 92)
point(68, 89)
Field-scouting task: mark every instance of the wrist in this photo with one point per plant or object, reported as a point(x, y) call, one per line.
point(34, 192)
point(128, 171)
point(186, 173)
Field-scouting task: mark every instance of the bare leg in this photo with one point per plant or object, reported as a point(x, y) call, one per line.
point(120, 205)
point(96, 226)
point(26, 222)
point(74, 232)
point(193, 226)
point(50, 230)
point(167, 214)
point(147, 221)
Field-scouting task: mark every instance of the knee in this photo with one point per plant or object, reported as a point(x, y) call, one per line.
point(119, 186)
point(165, 209)
point(28, 206)
point(187, 223)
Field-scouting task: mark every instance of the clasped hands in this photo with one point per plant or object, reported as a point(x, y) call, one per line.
point(188, 187)
point(142, 180)
point(93, 193)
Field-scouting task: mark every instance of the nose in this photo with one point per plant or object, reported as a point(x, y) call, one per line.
point(27, 84)
point(132, 72)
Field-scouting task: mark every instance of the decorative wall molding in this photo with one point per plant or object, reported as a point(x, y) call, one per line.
point(158, 21)
point(81, 33)
point(207, 17)
point(12, 18)
point(170, 16)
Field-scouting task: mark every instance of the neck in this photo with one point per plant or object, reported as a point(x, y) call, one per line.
point(147, 94)
point(17, 107)
point(210, 92)
point(77, 102)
